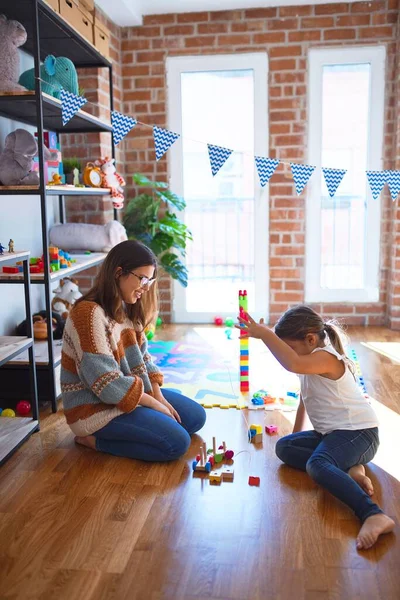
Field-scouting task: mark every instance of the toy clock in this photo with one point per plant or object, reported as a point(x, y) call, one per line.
point(92, 175)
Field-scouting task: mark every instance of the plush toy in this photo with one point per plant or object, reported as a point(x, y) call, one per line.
point(85, 236)
point(111, 179)
point(12, 35)
point(16, 160)
point(66, 295)
point(40, 326)
point(56, 73)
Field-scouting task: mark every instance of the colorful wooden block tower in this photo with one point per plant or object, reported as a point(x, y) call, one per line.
point(244, 345)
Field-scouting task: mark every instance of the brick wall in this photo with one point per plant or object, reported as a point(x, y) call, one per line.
point(286, 34)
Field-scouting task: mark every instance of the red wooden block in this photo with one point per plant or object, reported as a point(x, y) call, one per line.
point(254, 480)
point(10, 270)
point(271, 429)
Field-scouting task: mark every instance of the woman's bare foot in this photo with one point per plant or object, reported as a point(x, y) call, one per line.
point(89, 441)
point(358, 474)
point(372, 528)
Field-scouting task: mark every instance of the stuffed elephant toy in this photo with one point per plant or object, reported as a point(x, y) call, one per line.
point(16, 160)
point(85, 236)
point(56, 73)
point(12, 35)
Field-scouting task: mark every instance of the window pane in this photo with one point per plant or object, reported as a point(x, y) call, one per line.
point(218, 108)
point(345, 112)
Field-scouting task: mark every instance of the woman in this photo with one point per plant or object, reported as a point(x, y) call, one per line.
point(111, 389)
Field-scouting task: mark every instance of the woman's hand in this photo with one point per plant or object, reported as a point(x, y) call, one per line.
point(250, 328)
point(155, 404)
point(159, 396)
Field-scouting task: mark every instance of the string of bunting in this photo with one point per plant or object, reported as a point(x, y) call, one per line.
point(218, 155)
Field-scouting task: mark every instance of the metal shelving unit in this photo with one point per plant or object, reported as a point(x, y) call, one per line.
point(48, 33)
point(15, 430)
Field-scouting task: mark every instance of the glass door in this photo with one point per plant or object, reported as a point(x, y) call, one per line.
point(220, 100)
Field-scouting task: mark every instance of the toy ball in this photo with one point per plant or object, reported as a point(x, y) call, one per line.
point(218, 321)
point(159, 322)
point(8, 412)
point(23, 408)
point(150, 334)
point(229, 454)
point(229, 322)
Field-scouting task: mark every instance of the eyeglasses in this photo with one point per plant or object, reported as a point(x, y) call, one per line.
point(144, 281)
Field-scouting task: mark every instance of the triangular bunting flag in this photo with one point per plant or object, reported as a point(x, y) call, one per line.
point(163, 140)
point(121, 124)
point(376, 180)
point(333, 177)
point(265, 168)
point(70, 104)
point(393, 181)
point(301, 175)
point(218, 157)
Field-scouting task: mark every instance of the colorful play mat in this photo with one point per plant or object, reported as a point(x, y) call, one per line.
point(206, 368)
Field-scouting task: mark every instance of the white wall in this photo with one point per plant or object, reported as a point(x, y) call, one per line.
point(20, 220)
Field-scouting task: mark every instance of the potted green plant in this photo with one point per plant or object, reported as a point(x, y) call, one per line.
point(150, 219)
point(69, 164)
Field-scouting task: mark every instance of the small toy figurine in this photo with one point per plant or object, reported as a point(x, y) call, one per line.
point(2, 248)
point(11, 246)
point(57, 180)
point(76, 177)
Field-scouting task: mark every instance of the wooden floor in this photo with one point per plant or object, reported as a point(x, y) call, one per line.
point(75, 524)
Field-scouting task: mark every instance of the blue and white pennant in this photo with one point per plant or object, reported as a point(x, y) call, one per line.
point(218, 157)
point(393, 181)
point(265, 168)
point(163, 140)
point(376, 180)
point(70, 104)
point(301, 175)
point(333, 178)
point(121, 124)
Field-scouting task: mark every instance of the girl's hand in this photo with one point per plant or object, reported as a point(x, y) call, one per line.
point(250, 328)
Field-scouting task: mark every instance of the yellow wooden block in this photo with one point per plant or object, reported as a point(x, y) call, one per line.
point(258, 428)
point(215, 477)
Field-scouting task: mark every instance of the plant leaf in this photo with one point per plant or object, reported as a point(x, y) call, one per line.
point(161, 242)
point(174, 267)
point(171, 198)
point(144, 181)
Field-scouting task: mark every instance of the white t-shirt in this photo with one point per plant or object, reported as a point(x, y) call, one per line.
point(338, 404)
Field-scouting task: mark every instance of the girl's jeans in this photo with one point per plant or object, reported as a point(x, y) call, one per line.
point(327, 458)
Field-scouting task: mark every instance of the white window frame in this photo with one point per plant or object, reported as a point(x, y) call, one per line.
point(258, 61)
point(317, 59)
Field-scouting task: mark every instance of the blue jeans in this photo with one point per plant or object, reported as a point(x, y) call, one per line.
point(147, 434)
point(327, 458)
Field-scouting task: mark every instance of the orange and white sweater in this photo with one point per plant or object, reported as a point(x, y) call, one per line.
point(105, 368)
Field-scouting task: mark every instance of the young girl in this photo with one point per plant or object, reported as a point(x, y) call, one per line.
point(345, 435)
point(111, 389)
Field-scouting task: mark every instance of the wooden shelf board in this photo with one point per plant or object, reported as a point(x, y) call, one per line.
point(14, 431)
point(14, 256)
point(12, 345)
point(84, 261)
point(41, 354)
point(54, 190)
point(22, 107)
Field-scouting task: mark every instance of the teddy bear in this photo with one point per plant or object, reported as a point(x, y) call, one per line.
point(12, 36)
point(66, 295)
point(55, 73)
point(87, 236)
point(16, 160)
point(112, 180)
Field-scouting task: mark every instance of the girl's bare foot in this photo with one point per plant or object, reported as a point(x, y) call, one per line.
point(89, 441)
point(372, 528)
point(358, 474)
